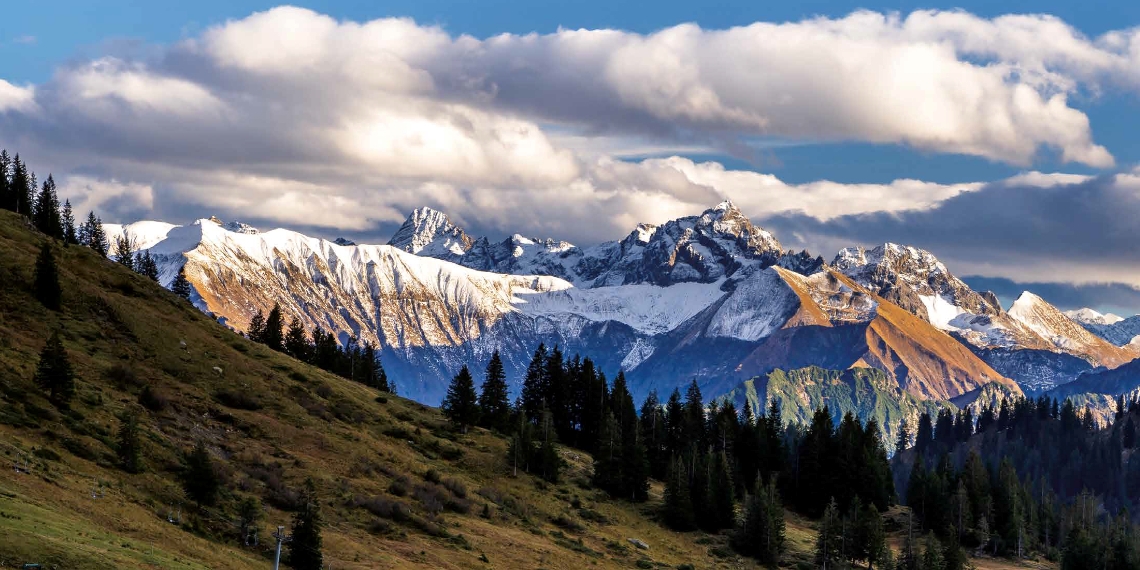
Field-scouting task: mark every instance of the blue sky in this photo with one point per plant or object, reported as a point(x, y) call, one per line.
point(66, 29)
point(335, 120)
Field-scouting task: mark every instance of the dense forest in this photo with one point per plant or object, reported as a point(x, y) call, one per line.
point(1033, 476)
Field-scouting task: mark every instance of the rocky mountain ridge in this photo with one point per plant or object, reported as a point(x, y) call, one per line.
point(711, 297)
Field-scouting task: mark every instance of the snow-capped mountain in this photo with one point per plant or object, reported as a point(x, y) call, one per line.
point(1116, 330)
point(1033, 342)
point(713, 246)
point(711, 297)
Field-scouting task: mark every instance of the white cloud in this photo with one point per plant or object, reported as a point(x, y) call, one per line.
point(16, 98)
point(293, 116)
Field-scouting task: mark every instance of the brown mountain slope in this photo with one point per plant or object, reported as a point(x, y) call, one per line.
point(867, 330)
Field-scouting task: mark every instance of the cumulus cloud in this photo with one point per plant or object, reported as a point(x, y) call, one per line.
point(294, 117)
point(16, 98)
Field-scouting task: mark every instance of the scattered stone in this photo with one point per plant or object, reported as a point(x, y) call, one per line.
point(639, 543)
point(182, 344)
point(218, 371)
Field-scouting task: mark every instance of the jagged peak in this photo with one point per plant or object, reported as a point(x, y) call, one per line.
point(427, 228)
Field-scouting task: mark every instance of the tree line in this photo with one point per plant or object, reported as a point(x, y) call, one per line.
point(357, 361)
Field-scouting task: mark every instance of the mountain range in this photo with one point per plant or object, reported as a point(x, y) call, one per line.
point(711, 297)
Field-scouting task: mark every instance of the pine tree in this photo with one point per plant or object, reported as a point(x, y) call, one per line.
point(374, 374)
point(273, 337)
point(5, 175)
point(45, 215)
point(903, 440)
point(256, 331)
point(677, 511)
point(146, 265)
point(199, 476)
point(761, 533)
point(461, 404)
point(534, 387)
point(521, 448)
point(21, 186)
point(47, 290)
point(93, 236)
point(125, 247)
point(494, 407)
point(181, 286)
point(67, 219)
point(54, 373)
point(1128, 439)
point(721, 506)
point(297, 341)
point(868, 537)
point(129, 447)
point(607, 458)
point(305, 546)
point(932, 557)
point(549, 462)
point(829, 544)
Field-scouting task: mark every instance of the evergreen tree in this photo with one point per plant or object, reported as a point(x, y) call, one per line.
point(256, 331)
point(521, 447)
point(181, 286)
point(374, 374)
point(67, 219)
point(722, 513)
point(932, 556)
point(869, 541)
point(461, 405)
point(273, 337)
point(45, 215)
point(46, 289)
point(200, 478)
point(534, 389)
point(125, 246)
point(607, 458)
point(1128, 439)
point(494, 407)
point(128, 446)
point(54, 373)
point(145, 264)
point(925, 435)
point(653, 435)
point(695, 417)
point(677, 511)
point(829, 544)
point(296, 341)
point(93, 236)
point(903, 440)
point(5, 174)
point(305, 546)
point(634, 468)
point(21, 186)
point(761, 533)
point(549, 462)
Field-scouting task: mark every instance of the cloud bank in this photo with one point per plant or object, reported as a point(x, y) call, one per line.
point(293, 117)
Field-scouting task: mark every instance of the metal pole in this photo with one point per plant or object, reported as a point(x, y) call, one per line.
point(280, 536)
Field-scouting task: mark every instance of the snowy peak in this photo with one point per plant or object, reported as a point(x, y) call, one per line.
point(1063, 332)
point(430, 233)
point(1088, 316)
